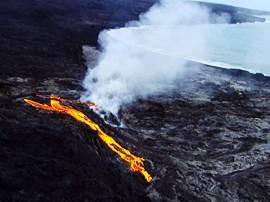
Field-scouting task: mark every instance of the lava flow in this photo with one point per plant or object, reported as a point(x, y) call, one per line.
point(136, 163)
point(89, 104)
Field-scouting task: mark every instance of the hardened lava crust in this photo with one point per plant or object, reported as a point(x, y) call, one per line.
point(205, 140)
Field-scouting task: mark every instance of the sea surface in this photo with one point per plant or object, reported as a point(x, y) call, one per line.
point(242, 46)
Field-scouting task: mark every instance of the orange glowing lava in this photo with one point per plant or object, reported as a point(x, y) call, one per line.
point(136, 163)
point(89, 104)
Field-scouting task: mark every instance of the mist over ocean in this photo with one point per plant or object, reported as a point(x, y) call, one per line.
point(244, 46)
point(241, 46)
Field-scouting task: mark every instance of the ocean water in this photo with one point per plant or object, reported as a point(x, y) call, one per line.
point(242, 46)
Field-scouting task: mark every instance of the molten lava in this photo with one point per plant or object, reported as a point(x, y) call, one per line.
point(136, 163)
point(89, 104)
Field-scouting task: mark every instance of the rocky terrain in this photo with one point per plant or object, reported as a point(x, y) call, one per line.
point(207, 139)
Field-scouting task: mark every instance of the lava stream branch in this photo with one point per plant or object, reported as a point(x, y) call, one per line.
point(89, 104)
point(136, 163)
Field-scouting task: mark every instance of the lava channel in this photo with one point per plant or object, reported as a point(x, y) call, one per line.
point(136, 163)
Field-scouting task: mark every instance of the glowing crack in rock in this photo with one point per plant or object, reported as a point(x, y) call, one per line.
point(136, 163)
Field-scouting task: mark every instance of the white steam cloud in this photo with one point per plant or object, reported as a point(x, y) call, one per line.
point(148, 56)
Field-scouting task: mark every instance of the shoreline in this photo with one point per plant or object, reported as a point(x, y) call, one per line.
point(229, 67)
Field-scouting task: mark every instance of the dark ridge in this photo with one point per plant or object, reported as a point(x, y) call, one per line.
point(228, 8)
point(234, 14)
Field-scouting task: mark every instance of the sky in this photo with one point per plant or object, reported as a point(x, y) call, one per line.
point(255, 4)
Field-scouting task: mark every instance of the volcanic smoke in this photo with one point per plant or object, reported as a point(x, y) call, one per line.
point(146, 57)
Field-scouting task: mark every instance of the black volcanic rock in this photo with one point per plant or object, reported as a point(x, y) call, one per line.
point(206, 139)
point(44, 38)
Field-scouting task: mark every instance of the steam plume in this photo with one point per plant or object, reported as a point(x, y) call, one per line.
point(147, 56)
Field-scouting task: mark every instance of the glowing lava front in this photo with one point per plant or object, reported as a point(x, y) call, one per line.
point(136, 163)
